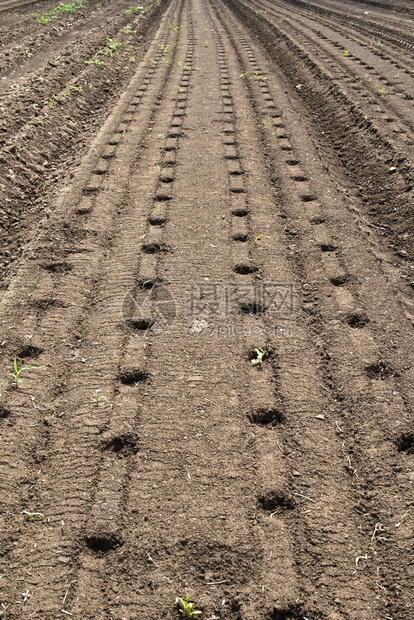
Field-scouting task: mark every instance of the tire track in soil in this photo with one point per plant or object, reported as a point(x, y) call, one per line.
point(163, 543)
point(394, 36)
point(81, 426)
point(385, 195)
point(34, 162)
point(24, 55)
point(369, 391)
point(354, 73)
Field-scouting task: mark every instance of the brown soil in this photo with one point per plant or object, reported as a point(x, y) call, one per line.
point(207, 256)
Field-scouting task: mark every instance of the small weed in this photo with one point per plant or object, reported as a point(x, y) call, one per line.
point(258, 360)
point(187, 608)
point(30, 515)
point(97, 397)
point(17, 372)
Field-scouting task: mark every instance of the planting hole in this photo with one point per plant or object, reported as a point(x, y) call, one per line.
point(266, 417)
point(272, 500)
point(124, 445)
point(308, 197)
point(252, 308)
point(132, 377)
point(240, 237)
point(240, 212)
point(157, 221)
point(29, 352)
point(292, 612)
point(141, 324)
point(379, 370)
point(356, 320)
point(154, 248)
point(244, 269)
point(339, 280)
point(405, 443)
point(102, 542)
point(328, 247)
point(4, 413)
point(58, 267)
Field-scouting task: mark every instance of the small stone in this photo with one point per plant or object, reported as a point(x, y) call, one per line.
point(320, 416)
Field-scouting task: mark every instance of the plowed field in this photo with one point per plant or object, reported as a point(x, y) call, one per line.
point(207, 309)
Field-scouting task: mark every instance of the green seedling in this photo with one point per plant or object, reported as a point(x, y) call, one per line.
point(49, 101)
point(30, 515)
point(36, 280)
point(132, 59)
point(346, 53)
point(78, 89)
point(187, 608)
point(145, 282)
point(95, 60)
point(244, 75)
point(397, 75)
point(258, 238)
point(381, 92)
point(127, 30)
point(180, 90)
point(205, 30)
point(380, 44)
point(153, 62)
point(205, 44)
point(159, 170)
point(259, 359)
point(97, 397)
point(113, 47)
point(265, 125)
point(17, 372)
